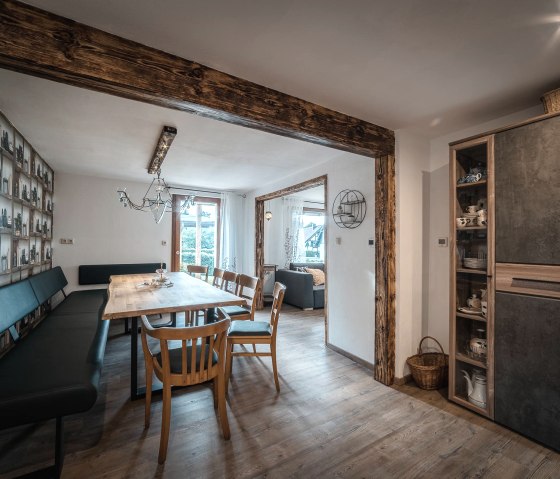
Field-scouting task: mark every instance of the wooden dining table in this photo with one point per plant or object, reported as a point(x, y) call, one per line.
point(134, 295)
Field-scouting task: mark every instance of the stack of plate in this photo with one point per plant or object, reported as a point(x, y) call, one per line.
point(474, 263)
point(472, 217)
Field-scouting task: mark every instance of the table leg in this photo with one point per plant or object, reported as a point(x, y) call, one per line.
point(135, 391)
point(134, 360)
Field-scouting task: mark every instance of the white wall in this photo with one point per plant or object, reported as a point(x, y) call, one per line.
point(87, 209)
point(412, 160)
point(351, 265)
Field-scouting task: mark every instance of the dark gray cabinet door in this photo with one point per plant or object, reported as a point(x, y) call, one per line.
point(527, 179)
point(527, 366)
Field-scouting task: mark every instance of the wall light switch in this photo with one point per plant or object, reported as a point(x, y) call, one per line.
point(62, 240)
point(442, 242)
point(338, 240)
point(371, 242)
point(70, 241)
point(163, 243)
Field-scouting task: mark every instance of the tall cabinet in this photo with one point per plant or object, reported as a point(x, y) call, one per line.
point(517, 330)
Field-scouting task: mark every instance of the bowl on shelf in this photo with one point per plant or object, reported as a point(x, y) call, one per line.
point(474, 263)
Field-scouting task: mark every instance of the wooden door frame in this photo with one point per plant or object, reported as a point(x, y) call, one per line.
point(259, 232)
point(40, 43)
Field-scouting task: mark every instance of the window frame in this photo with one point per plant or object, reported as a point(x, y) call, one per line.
point(176, 230)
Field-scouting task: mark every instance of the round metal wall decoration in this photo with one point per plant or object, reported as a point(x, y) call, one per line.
point(349, 209)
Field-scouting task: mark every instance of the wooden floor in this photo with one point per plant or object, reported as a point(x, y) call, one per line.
point(331, 419)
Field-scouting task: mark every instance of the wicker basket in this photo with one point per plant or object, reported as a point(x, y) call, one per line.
point(551, 101)
point(429, 370)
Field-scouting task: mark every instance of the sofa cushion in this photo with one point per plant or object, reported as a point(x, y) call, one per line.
point(100, 273)
point(318, 276)
point(234, 310)
point(293, 266)
point(250, 328)
point(16, 300)
point(48, 283)
point(55, 370)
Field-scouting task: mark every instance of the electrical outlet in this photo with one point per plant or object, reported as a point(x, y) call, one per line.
point(69, 240)
point(442, 242)
point(163, 243)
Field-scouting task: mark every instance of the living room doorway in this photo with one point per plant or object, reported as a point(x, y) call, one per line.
point(290, 244)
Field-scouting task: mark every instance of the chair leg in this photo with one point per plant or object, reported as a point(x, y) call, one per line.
point(215, 392)
point(274, 368)
point(165, 421)
point(148, 403)
point(254, 348)
point(229, 357)
point(222, 409)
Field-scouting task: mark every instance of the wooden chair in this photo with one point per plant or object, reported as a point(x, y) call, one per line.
point(229, 282)
point(201, 271)
point(218, 277)
point(256, 332)
point(200, 358)
point(249, 288)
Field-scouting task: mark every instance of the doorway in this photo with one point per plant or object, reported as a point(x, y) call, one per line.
point(196, 233)
point(303, 203)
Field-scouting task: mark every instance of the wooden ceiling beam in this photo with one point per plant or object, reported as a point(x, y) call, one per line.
point(39, 43)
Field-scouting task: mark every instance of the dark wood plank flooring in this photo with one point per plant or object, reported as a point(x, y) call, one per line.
point(331, 419)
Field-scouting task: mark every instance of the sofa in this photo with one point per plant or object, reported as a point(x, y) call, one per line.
point(53, 368)
point(300, 290)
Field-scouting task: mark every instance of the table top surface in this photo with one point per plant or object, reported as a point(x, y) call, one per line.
point(130, 297)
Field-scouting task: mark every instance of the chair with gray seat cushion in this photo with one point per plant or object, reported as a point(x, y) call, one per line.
point(200, 358)
point(248, 288)
point(256, 332)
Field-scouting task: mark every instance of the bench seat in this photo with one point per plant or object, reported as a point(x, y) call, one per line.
point(55, 370)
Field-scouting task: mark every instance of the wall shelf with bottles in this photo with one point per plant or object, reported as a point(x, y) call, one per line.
point(471, 368)
point(26, 207)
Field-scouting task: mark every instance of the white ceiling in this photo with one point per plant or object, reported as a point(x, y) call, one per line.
point(433, 65)
point(84, 132)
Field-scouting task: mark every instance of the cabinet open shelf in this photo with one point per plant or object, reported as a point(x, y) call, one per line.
point(472, 335)
point(472, 185)
point(466, 359)
point(474, 317)
point(472, 271)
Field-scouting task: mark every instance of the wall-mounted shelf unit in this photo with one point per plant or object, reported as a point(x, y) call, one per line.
point(26, 207)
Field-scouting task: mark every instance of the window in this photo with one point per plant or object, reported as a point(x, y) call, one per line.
point(196, 236)
point(313, 227)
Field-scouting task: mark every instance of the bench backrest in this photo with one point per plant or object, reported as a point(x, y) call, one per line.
point(16, 301)
point(48, 283)
point(100, 273)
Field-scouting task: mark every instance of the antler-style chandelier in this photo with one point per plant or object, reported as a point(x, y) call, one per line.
point(158, 198)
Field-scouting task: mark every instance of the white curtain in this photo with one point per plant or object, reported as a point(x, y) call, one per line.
point(294, 242)
point(231, 250)
point(274, 234)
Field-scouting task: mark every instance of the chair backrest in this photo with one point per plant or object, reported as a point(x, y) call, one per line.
point(249, 288)
point(202, 271)
point(218, 277)
point(229, 282)
point(203, 350)
point(279, 291)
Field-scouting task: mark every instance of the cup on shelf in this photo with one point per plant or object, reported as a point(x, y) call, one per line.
point(471, 209)
point(462, 222)
point(484, 306)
